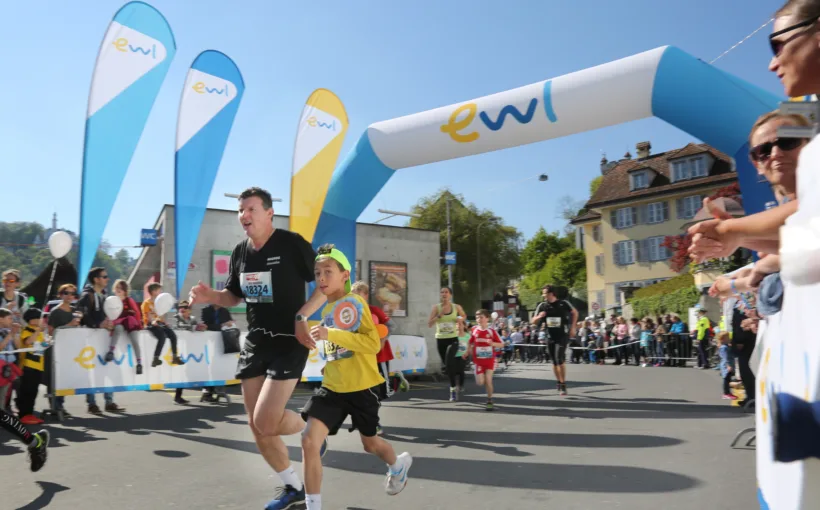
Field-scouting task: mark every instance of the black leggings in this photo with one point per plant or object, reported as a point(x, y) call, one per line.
point(727, 389)
point(161, 333)
point(455, 366)
point(443, 344)
point(14, 427)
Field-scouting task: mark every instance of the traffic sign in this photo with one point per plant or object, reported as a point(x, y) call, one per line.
point(450, 258)
point(148, 237)
point(595, 306)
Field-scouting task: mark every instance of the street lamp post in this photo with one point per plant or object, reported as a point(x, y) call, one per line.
point(478, 252)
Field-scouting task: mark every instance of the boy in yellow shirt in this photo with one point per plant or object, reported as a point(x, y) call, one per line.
point(351, 382)
point(157, 326)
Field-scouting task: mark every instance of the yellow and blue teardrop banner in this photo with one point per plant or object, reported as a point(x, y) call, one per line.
point(319, 140)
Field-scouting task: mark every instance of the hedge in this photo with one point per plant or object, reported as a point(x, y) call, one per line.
point(678, 302)
point(665, 287)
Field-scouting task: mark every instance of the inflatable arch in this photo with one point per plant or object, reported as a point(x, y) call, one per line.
point(666, 82)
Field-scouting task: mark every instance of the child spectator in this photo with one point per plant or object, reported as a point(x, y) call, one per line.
point(157, 326)
point(646, 342)
point(33, 367)
point(129, 322)
point(9, 371)
point(727, 363)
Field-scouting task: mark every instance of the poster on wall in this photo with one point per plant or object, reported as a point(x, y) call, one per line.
point(388, 287)
point(220, 265)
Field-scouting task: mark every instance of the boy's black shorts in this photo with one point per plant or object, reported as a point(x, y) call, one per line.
point(332, 408)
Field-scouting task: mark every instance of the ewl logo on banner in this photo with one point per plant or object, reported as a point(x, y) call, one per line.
point(457, 124)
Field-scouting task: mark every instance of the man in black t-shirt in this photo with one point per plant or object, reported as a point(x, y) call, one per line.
point(270, 270)
point(560, 318)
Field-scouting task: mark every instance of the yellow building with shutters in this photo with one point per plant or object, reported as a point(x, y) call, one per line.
point(638, 204)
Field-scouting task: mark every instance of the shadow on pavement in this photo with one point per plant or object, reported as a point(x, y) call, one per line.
point(479, 440)
point(44, 499)
point(507, 475)
point(185, 420)
point(562, 410)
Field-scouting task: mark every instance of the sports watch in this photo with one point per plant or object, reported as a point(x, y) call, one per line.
point(301, 318)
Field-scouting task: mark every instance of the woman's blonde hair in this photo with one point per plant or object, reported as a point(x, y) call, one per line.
point(123, 285)
point(65, 287)
point(797, 119)
point(360, 288)
point(800, 9)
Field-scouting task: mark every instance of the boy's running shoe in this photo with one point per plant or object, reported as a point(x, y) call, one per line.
point(38, 450)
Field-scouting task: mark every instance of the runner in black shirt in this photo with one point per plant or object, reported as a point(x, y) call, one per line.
point(270, 271)
point(560, 318)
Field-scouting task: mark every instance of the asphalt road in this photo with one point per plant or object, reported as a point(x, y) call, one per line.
point(625, 437)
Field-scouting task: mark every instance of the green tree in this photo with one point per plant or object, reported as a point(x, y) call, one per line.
point(595, 184)
point(498, 243)
point(567, 268)
point(541, 247)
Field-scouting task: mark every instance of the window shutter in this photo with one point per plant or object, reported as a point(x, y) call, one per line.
point(613, 218)
point(645, 250)
point(615, 254)
point(634, 215)
point(665, 208)
point(679, 208)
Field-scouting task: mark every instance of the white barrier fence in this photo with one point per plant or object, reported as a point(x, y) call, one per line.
point(79, 365)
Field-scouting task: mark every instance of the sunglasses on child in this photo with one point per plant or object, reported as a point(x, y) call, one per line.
point(763, 151)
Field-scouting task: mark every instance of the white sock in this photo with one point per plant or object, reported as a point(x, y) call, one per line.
point(289, 477)
point(314, 501)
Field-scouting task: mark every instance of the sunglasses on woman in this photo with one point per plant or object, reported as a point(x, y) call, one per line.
point(68, 293)
point(762, 152)
point(777, 46)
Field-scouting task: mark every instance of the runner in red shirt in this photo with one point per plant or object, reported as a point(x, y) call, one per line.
point(481, 345)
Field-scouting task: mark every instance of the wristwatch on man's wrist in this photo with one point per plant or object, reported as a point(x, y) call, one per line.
point(301, 318)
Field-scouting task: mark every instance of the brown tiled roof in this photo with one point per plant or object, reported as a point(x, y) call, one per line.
point(587, 216)
point(615, 185)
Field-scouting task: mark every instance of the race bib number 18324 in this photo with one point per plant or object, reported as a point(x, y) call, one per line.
point(256, 287)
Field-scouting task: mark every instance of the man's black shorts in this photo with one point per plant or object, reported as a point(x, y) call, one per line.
point(279, 358)
point(332, 408)
point(558, 350)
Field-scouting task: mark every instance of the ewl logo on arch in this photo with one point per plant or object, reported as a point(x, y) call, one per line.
point(458, 125)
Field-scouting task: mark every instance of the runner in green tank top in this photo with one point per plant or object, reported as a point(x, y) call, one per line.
point(446, 317)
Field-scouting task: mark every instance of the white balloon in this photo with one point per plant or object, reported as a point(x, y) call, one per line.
point(494, 315)
point(163, 303)
point(112, 307)
point(60, 244)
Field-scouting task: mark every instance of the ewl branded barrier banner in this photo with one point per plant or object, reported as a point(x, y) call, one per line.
point(319, 139)
point(210, 100)
point(409, 357)
point(136, 52)
point(80, 366)
point(666, 82)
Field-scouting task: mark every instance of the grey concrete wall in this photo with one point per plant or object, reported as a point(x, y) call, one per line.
point(419, 249)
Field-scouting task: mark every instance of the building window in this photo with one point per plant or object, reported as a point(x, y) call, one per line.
point(596, 233)
point(688, 207)
point(657, 212)
point(689, 169)
point(640, 180)
point(624, 252)
point(655, 251)
point(599, 264)
point(624, 217)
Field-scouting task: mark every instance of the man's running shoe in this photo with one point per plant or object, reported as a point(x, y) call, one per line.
point(379, 430)
point(38, 450)
point(323, 449)
point(287, 498)
point(396, 481)
point(562, 389)
point(453, 395)
point(490, 406)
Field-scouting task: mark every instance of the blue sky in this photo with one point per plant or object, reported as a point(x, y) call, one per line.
point(383, 59)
